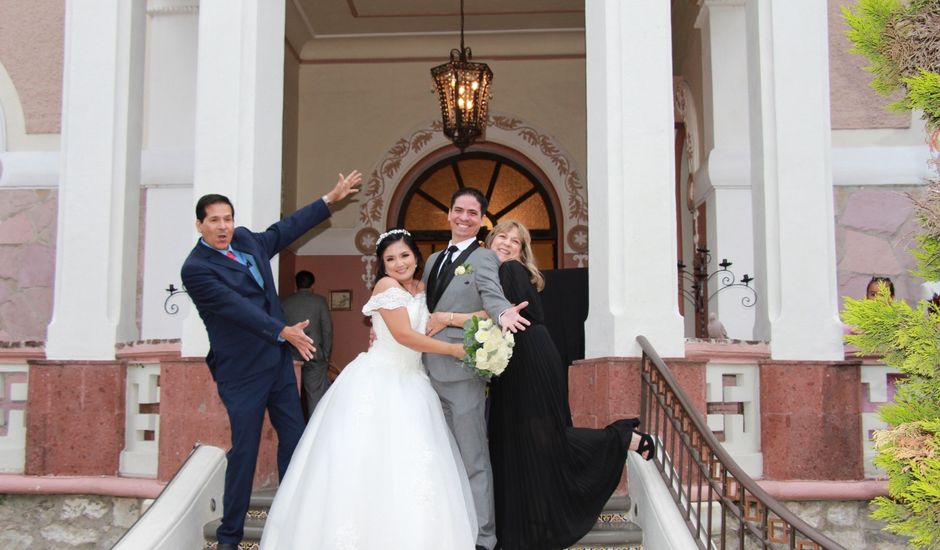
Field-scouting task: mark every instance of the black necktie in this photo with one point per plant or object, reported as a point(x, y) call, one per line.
point(448, 260)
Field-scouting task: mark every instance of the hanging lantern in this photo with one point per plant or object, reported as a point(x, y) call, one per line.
point(463, 88)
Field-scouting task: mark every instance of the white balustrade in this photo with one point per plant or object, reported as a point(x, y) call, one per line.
point(732, 393)
point(13, 386)
point(142, 422)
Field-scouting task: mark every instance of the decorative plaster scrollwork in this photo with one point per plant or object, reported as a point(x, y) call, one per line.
point(685, 112)
point(577, 197)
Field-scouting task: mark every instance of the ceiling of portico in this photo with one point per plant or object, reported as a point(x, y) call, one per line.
point(322, 29)
point(313, 23)
point(365, 17)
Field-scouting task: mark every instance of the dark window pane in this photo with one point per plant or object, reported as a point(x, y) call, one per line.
point(422, 215)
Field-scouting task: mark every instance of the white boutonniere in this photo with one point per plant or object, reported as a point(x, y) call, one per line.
point(467, 267)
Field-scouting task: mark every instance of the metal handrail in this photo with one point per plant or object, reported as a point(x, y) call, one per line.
point(705, 480)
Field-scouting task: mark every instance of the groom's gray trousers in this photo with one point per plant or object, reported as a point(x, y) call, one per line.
point(462, 392)
point(464, 406)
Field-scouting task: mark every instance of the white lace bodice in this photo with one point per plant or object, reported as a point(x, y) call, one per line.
point(385, 343)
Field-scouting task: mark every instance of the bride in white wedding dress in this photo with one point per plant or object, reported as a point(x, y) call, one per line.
point(377, 466)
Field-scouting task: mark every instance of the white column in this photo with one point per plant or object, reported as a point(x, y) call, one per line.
point(96, 247)
point(725, 178)
point(239, 104)
point(788, 67)
point(168, 161)
point(631, 187)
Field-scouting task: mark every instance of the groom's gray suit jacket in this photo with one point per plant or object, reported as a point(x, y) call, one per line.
point(476, 290)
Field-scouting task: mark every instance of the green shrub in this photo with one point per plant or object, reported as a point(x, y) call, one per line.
point(899, 41)
point(909, 450)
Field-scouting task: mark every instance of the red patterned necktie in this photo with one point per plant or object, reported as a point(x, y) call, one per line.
point(231, 255)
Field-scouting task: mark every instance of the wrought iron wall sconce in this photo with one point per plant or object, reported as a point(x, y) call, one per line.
point(696, 292)
point(172, 309)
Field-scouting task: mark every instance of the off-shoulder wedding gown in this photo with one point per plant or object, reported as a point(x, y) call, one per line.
point(377, 467)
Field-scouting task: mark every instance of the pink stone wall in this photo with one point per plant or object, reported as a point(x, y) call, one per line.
point(601, 390)
point(875, 230)
point(31, 49)
point(604, 389)
point(853, 103)
point(810, 422)
point(191, 412)
point(75, 417)
point(27, 262)
point(350, 328)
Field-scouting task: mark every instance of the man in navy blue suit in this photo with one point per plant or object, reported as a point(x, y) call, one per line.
point(228, 277)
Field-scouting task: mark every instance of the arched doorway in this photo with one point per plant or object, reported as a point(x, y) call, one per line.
point(513, 191)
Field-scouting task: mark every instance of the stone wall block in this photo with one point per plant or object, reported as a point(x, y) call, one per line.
point(581, 388)
point(27, 262)
point(75, 424)
point(810, 424)
point(868, 254)
point(14, 201)
point(16, 230)
point(59, 522)
point(843, 514)
point(623, 381)
point(42, 215)
point(877, 211)
point(9, 261)
point(26, 314)
point(125, 513)
point(68, 535)
point(15, 539)
point(79, 507)
point(35, 269)
point(6, 289)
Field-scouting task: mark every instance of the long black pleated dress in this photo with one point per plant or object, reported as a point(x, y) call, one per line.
point(551, 480)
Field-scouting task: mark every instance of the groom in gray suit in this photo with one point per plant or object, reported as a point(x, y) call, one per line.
point(462, 392)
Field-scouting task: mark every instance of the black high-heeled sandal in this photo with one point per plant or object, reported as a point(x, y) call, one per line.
point(647, 447)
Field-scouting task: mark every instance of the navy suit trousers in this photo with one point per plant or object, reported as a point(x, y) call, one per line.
point(246, 401)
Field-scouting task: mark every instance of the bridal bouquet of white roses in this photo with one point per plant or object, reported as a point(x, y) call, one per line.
point(488, 349)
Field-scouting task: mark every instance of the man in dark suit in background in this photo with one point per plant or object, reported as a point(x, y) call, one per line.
point(304, 305)
point(228, 277)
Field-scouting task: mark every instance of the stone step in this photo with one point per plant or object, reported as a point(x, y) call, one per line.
point(253, 528)
point(613, 530)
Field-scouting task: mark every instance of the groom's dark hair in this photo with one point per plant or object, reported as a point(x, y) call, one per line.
point(473, 192)
point(207, 200)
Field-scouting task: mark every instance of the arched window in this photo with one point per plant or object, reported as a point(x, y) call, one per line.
point(513, 191)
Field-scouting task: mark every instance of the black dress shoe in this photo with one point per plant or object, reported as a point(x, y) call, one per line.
point(227, 546)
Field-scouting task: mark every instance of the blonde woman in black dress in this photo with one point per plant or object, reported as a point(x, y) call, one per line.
point(551, 480)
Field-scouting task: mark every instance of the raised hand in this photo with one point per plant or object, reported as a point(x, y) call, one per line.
point(512, 320)
point(295, 336)
point(344, 187)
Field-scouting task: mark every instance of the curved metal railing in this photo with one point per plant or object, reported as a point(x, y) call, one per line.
point(723, 507)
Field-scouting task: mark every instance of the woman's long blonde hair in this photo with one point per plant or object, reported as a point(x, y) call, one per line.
point(526, 257)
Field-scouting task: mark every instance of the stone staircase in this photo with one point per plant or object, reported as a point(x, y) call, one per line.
point(613, 530)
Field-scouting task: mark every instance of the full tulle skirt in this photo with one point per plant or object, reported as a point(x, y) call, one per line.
point(377, 467)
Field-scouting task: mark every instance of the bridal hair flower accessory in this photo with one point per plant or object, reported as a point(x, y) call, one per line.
point(463, 269)
point(487, 349)
point(390, 233)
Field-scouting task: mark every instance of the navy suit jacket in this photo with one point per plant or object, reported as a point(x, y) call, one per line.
point(242, 319)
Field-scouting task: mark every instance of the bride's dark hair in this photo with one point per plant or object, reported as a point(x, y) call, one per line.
point(393, 236)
